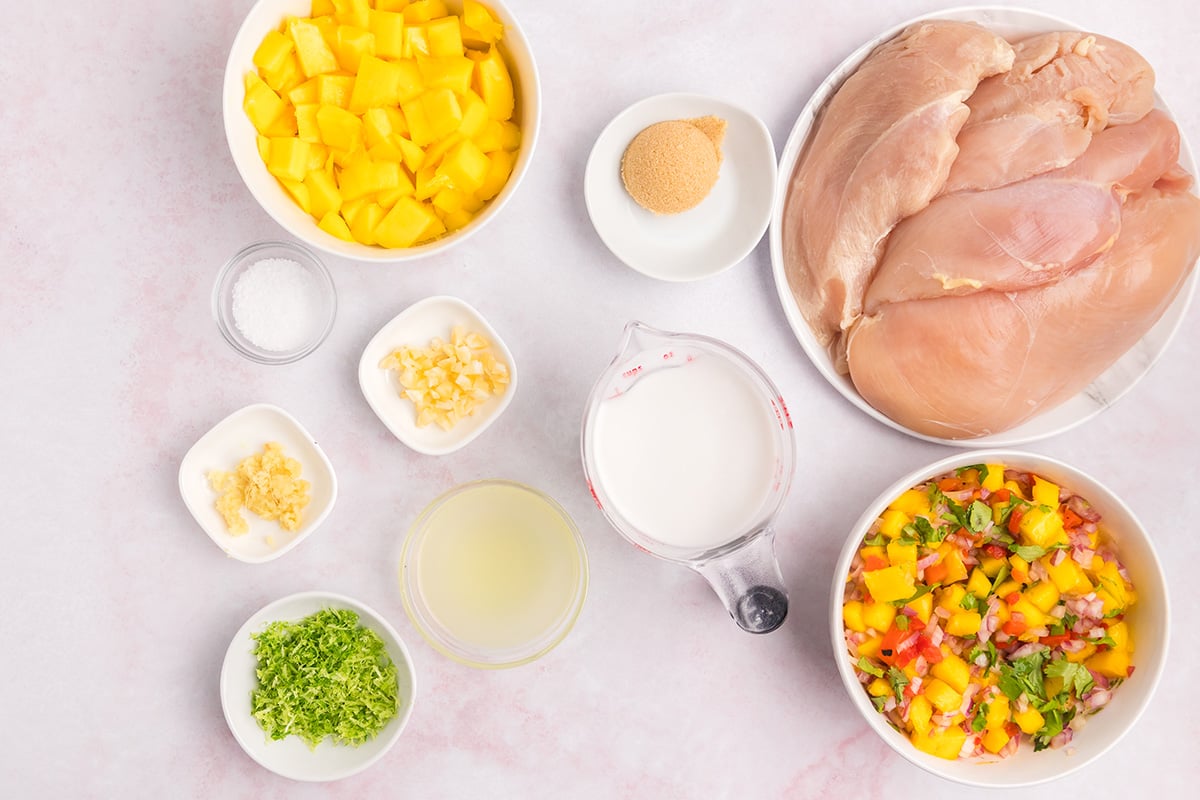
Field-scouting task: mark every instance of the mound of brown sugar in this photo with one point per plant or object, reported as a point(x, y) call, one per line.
point(671, 166)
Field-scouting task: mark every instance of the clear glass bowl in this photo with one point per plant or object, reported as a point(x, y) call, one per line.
point(222, 301)
point(479, 590)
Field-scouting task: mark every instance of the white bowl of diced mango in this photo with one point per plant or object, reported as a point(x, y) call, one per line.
point(994, 736)
point(381, 130)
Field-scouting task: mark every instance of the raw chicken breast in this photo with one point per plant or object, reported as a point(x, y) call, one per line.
point(960, 367)
point(1063, 88)
point(1027, 233)
point(881, 151)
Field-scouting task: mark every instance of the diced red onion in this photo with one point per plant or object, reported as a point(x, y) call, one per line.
point(936, 637)
point(1027, 649)
point(1083, 556)
point(906, 642)
point(1083, 509)
point(927, 561)
point(1058, 557)
point(1062, 739)
point(1095, 699)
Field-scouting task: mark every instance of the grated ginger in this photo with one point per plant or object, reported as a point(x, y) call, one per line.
point(267, 484)
point(448, 381)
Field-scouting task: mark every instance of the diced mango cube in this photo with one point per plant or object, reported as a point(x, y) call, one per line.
point(306, 123)
point(1042, 528)
point(950, 598)
point(920, 712)
point(352, 12)
point(314, 52)
point(275, 48)
point(852, 616)
point(404, 223)
point(878, 688)
point(942, 742)
point(481, 22)
point(995, 477)
point(339, 128)
point(1043, 594)
point(363, 226)
point(994, 739)
point(1067, 575)
point(952, 558)
point(467, 167)
point(333, 224)
point(1112, 663)
point(901, 553)
point(889, 584)
point(870, 648)
point(1030, 720)
point(424, 10)
point(1045, 493)
point(997, 713)
point(413, 155)
point(953, 670)
point(448, 72)
point(911, 502)
point(367, 177)
point(288, 158)
point(444, 37)
point(964, 623)
point(979, 584)
point(494, 84)
point(1119, 633)
point(298, 192)
point(261, 104)
point(335, 90)
point(941, 696)
point(1019, 569)
point(922, 606)
point(415, 42)
point(377, 84)
point(891, 522)
point(878, 615)
point(304, 93)
point(352, 45)
point(388, 29)
point(322, 193)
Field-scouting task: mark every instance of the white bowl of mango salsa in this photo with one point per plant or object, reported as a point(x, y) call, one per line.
point(381, 130)
point(999, 618)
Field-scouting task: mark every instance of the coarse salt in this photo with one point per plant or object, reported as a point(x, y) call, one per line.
point(276, 304)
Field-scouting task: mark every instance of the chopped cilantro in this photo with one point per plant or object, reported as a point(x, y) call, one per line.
point(898, 680)
point(1069, 620)
point(875, 541)
point(969, 602)
point(901, 622)
point(922, 589)
point(1027, 552)
point(980, 468)
point(979, 515)
point(879, 703)
point(1073, 675)
point(980, 721)
point(866, 666)
point(989, 651)
point(324, 676)
point(1024, 676)
point(1001, 576)
point(920, 531)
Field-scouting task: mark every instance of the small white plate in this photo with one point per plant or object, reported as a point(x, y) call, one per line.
point(1101, 393)
point(416, 326)
point(707, 239)
point(241, 434)
point(291, 757)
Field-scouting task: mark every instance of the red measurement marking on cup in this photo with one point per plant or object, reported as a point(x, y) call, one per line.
point(786, 415)
point(667, 356)
point(629, 373)
point(599, 505)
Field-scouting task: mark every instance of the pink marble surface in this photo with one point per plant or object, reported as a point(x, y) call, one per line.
point(119, 204)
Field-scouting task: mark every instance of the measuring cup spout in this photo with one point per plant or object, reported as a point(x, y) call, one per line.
point(638, 336)
point(749, 583)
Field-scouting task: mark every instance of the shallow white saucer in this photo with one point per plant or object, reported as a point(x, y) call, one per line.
point(415, 326)
point(707, 239)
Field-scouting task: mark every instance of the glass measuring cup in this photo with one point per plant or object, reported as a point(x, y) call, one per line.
point(688, 451)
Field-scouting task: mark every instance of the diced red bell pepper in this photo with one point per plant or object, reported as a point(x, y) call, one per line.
point(1001, 496)
point(1014, 519)
point(1054, 640)
point(995, 550)
point(1071, 520)
point(950, 484)
point(1014, 628)
point(874, 562)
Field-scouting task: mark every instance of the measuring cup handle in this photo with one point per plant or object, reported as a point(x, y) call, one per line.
point(749, 583)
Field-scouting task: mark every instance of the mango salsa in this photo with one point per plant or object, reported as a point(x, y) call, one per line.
point(983, 615)
point(391, 123)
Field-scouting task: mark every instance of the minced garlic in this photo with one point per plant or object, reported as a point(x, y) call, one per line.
point(448, 381)
point(267, 484)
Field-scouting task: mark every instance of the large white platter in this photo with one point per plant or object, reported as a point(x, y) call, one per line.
point(1102, 392)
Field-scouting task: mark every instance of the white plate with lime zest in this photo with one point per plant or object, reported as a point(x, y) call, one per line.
point(291, 756)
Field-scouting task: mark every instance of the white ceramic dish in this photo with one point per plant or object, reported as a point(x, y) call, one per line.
point(1149, 618)
point(243, 433)
point(416, 326)
point(267, 15)
point(707, 239)
point(291, 757)
point(1102, 392)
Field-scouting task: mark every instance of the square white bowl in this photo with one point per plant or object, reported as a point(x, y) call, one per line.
point(291, 756)
point(416, 326)
point(243, 433)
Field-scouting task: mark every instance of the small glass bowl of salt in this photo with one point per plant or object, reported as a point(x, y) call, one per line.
point(274, 302)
